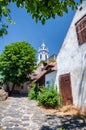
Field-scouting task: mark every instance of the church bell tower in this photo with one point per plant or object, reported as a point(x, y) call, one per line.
point(43, 53)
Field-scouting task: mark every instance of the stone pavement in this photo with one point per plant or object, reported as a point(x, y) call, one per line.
point(19, 113)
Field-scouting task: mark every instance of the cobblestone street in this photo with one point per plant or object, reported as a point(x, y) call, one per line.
point(19, 113)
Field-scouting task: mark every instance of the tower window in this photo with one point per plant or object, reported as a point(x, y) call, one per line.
point(81, 30)
point(40, 56)
point(45, 57)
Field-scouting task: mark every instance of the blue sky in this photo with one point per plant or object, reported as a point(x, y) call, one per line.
point(26, 29)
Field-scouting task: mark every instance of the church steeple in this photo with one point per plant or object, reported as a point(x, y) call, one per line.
point(43, 53)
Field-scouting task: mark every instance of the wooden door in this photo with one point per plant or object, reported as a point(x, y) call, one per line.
point(65, 89)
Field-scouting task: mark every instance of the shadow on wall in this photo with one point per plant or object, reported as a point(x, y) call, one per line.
point(82, 87)
point(64, 122)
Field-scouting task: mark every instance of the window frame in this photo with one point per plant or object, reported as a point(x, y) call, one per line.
point(81, 30)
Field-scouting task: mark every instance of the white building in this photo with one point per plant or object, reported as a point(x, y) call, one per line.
point(43, 53)
point(71, 61)
point(50, 76)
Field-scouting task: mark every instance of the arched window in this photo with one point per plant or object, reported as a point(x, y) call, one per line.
point(45, 57)
point(40, 56)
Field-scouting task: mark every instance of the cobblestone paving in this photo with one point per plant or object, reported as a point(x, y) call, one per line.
point(19, 113)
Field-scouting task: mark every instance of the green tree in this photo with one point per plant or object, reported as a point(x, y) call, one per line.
point(41, 10)
point(17, 62)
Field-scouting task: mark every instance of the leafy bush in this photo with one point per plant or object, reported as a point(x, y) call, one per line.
point(49, 98)
point(33, 93)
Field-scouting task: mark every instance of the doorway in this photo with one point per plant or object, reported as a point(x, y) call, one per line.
point(65, 89)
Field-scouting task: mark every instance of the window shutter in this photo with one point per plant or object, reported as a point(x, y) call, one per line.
point(81, 30)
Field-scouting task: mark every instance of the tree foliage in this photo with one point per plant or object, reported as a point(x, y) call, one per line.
point(17, 62)
point(41, 10)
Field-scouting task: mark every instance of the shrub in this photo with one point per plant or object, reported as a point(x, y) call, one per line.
point(33, 93)
point(49, 98)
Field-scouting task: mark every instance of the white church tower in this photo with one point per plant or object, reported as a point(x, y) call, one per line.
point(43, 53)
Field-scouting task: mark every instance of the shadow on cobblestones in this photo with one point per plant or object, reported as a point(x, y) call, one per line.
point(73, 122)
point(46, 128)
point(65, 123)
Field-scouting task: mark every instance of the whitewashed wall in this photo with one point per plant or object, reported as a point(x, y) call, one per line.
point(72, 58)
point(24, 89)
point(50, 79)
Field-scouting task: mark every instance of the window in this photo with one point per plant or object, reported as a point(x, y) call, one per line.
point(48, 84)
point(81, 30)
point(45, 57)
point(40, 56)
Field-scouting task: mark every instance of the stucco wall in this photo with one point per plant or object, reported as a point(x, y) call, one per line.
point(23, 88)
point(72, 58)
point(50, 79)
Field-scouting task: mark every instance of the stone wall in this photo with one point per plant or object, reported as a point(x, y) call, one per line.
point(22, 88)
point(3, 95)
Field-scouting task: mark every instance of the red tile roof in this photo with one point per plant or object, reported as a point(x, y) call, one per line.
point(41, 74)
point(48, 69)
